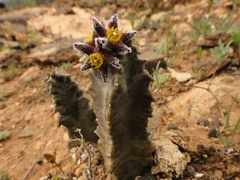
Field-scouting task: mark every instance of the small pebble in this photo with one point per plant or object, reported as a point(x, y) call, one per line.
point(73, 143)
point(2, 106)
point(172, 126)
point(213, 131)
point(203, 122)
point(199, 175)
point(40, 159)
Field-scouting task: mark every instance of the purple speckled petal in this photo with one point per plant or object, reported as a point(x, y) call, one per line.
point(86, 66)
point(121, 48)
point(83, 48)
point(128, 36)
point(104, 72)
point(103, 43)
point(113, 22)
point(98, 28)
point(113, 61)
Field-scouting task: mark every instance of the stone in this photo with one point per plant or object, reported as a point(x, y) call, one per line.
point(32, 73)
point(21, 37)
point(206, 150)
point(81, 177)
point(172, 126)
point(182, 30)
point(22, 15)
point(122, 13)
point(64, 10)
point(10, 44)
point(152, 58)
point(190, 170)
point(218, 174)
point(154, 25)
point(169, 160)
point(233, 168)
point(176, 139)
point(81, 168)
point(210, 67)
point(140, 23)
point(9, 29)
point(203, 122)
point(65, 25)
point(157, 17)
point(122, 3)
point(5, 54)
point(175, 18)
point(29, 131)
point(28, 116)
point(200, 103)
point(187, 156)
point(39, 160)
point(106, 12)
point(213, 131)
point(146, 176)
point(21, 28)
point(73, 143)
point(2, 106)
point(235, 63)
point(211, 39)
point(9, 57)
point(56, 52)
point(46, 177)
point(180, 76)
point(146, 12)
point(228, 4)
point(198, 175)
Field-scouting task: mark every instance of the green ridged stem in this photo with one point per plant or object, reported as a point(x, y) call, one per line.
point(123, 106)
point(73, 106)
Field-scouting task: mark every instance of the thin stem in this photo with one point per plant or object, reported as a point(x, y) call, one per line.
point(218, 103)
point(207, 89)
point(85, 147)
point(59, 167)
point(35, 161)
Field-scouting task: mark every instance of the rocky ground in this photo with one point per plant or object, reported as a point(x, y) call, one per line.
point(193, 88)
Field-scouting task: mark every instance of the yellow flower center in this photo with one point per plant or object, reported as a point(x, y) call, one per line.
point(96, 60)
point(89, 38)
point(114, 35)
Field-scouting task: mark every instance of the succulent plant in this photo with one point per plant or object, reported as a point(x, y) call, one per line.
point(73, 106)
point(121, 100)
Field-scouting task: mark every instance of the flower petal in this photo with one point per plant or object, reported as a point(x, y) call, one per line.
point(98, 28)
point(103, 23)
point(103, 43)
point(128, 36)
point(121, 48)
point(83, 48)
point(86, 66)
point(113, 61)
point(104, 72)
point(113, 22)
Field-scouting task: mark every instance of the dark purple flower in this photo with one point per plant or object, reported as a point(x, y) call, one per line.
point(103, 45)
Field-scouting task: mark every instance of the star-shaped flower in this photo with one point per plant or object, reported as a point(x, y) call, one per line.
point(103, 45)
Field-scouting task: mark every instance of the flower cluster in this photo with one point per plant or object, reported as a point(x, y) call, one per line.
point(224, 131)
point(103, 45)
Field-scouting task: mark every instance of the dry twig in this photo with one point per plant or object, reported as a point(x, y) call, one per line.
point(35, 161)
point(88, 172)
